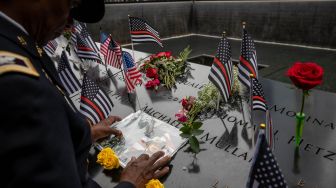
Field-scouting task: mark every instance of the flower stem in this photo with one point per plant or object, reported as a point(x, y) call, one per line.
point(303, 101)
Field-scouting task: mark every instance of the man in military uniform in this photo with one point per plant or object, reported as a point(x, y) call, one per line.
point(44, 142)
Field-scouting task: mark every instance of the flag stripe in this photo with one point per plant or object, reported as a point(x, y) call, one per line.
point(247, 65)
point(223, 71)
point(70, 86)
point(67, 77)
point(101, 104)
point(88, 112)
point(143, 34)
point(92, 104)
point(218, 83)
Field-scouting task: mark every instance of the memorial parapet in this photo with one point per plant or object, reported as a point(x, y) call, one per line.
point(227, 147)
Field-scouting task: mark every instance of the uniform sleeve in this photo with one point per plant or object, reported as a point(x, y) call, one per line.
point(36, 148)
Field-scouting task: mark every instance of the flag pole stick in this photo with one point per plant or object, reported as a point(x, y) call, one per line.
point(267, 130)
point(251, 105)
point(129, 25)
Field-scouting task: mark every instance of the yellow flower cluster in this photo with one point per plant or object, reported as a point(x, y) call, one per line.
point(108, 159)
point(154, 183)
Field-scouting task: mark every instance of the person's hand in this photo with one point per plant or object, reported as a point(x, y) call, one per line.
point(144, 168)
point(103, 129)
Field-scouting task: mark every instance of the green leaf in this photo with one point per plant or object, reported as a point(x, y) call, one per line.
point(185, 53)
point(197, 132)
point(183, 135)
point(194, 144)
point(185, 129)
point(197, 125)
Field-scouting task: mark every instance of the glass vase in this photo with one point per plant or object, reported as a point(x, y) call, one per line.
point(299, 128)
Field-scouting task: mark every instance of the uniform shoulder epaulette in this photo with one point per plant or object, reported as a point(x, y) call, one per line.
point(11, 62)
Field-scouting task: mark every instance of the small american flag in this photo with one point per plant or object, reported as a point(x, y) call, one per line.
point(76, 28)
point(141, 31)
point(104, 46)
point(51, 47)
point(265, 171)
point(94, 103)
point(132, 74)
point(86, 48)
point(258, 97)
point(221, 74)
point(86, 51)
point(102, 37)
point(68, 78)
point(112, 52)
point(248, 60)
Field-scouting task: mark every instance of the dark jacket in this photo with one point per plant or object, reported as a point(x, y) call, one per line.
point(44, 142)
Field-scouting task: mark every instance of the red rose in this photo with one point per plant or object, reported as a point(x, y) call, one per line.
point(151, 73)
point(161, 54)
point(164, 54)
point(181, 116)
point(149, 84)
point(156, 82)
point(183, 119)
point(152, 57)
point(168, 54)
point(184, 102)
point(305, 75)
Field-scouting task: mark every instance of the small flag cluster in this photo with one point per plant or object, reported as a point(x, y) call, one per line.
point(96, 105)
point(221, 75)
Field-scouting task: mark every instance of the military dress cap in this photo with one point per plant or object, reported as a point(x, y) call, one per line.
point(89, 11)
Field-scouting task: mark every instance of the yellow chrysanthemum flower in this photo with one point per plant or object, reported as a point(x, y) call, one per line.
point(108, 159)
point(154, 183)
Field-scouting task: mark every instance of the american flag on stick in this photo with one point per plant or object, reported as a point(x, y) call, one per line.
point(221, 74)
point(132, 74)
point(51, 47)
point(102, 37)
point(111, 51)
point(75, 29)
point(68, 78)
point(265, 170)
point(248, 59)
point(141, 31)
point(95, 103)
point(258, 97)
point(85, 48)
